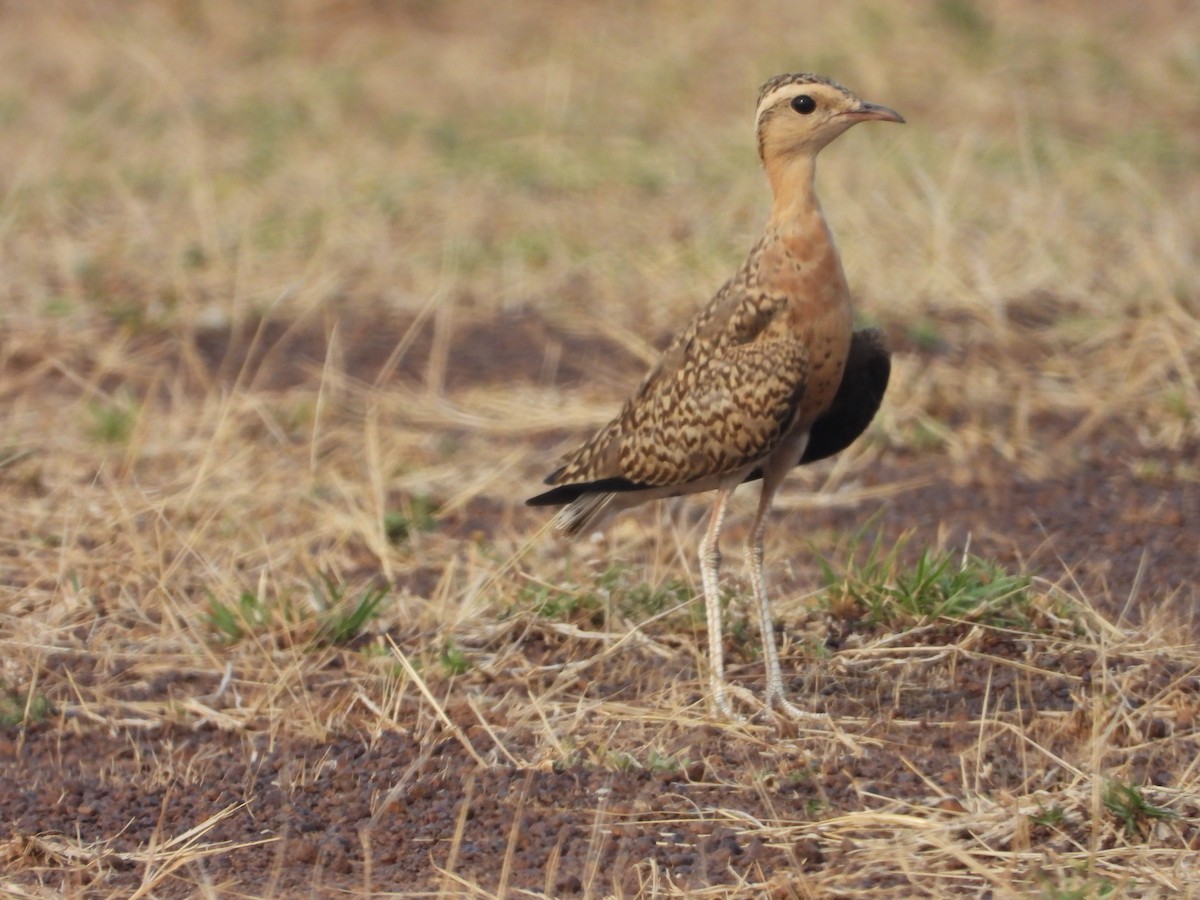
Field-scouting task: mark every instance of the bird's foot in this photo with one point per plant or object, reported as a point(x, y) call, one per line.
point(720, 699)
point(777, 703)
point(793, 715)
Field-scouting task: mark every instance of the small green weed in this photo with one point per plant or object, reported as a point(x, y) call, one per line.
point(925, 435)
point(342, 620)
point(454, 661)
point(938, 585)
point(1052, 817)
point(656, 761)
point(925, 335)
point(112, 421)
point(610, 590)
point(1094, 888)
point(1176, 403)
point(644, 600)
point(234, 621)
point(417, 514)
point(571, 602)
point(575, 758)
point(563, 604)
point(619, 760)
point(337, 619)
point(1131, 808)
point(375, 650)
point(641, 600)
point(666, 763)
point(21, 709)
point(800, 777)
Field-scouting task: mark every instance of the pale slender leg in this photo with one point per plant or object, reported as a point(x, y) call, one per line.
point(710, 565)
point(772, 475)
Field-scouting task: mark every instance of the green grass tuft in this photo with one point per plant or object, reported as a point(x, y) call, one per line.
point(1050, 817)
point(1131, 809)
point(331, 618)
point(233, 621)
point(112, 421)
point(454, 661)
point(1091, 889)
point(613, 591)
point(21, 709)
point(343, 620)
point(939, 585)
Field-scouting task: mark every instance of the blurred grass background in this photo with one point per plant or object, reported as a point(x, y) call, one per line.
point(175, 166)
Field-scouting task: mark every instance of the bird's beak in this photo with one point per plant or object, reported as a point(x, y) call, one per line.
point(873, 111)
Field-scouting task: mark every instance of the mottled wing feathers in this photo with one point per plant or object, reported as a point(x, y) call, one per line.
point(718, 398)
point(716, 417)
point(859, 396)
point(709, 417)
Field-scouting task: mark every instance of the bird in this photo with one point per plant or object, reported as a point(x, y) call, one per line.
point(768, 375)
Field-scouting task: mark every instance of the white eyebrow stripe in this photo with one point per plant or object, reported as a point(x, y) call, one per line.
point(774, 97)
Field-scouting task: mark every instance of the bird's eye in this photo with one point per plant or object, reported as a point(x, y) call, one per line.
point(804, 104)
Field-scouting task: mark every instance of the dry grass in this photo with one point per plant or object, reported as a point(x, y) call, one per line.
point(189, 185)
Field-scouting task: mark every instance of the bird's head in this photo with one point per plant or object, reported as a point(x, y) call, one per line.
point(798, 114)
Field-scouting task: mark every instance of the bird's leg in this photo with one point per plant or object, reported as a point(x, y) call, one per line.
point(710, 565)
point(773, 473)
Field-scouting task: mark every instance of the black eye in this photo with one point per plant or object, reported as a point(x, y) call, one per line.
point(804, 104)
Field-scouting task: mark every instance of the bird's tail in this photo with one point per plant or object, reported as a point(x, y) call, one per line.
point(585, 512)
